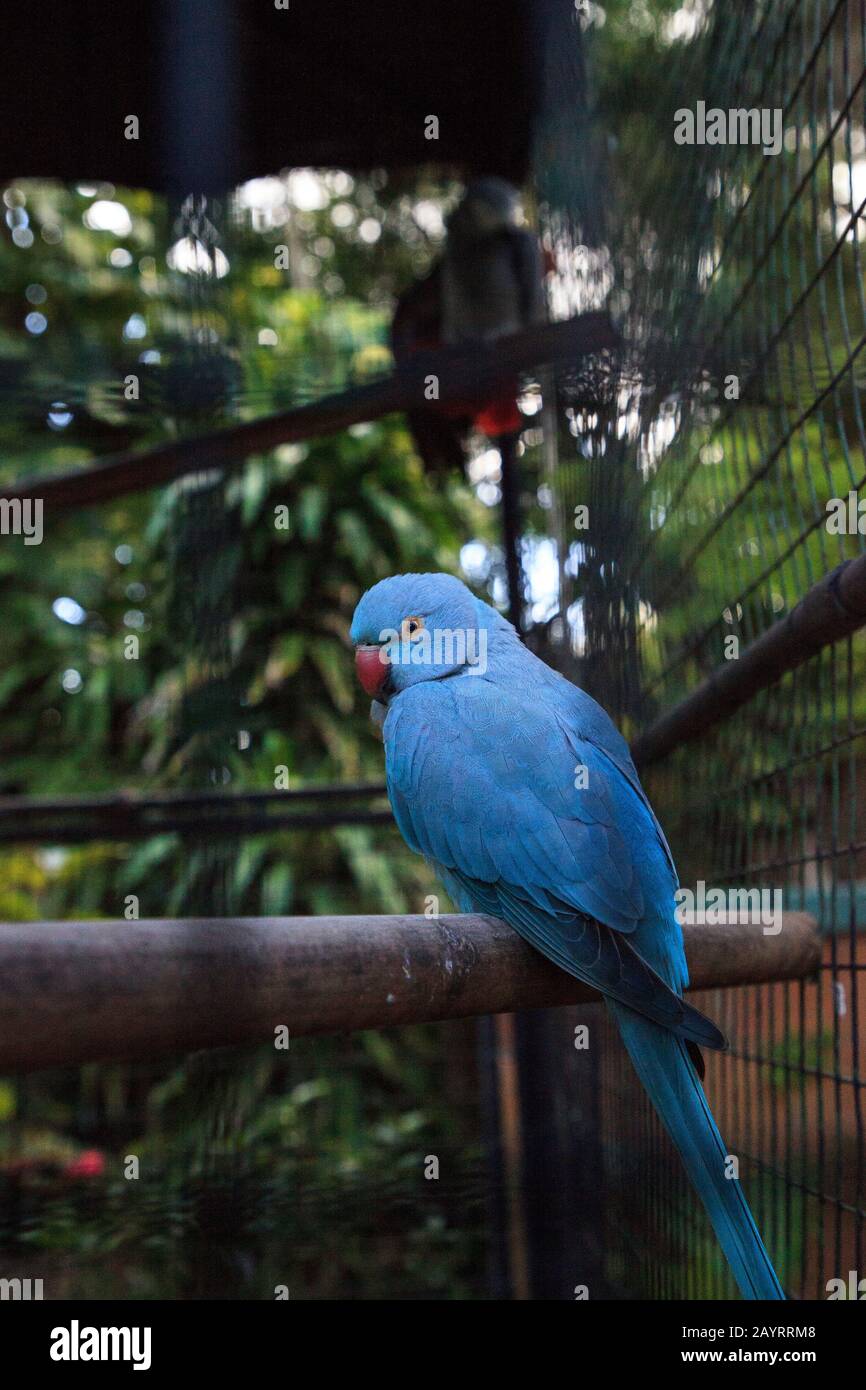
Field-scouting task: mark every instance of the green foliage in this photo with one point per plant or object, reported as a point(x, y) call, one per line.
point(239, 594)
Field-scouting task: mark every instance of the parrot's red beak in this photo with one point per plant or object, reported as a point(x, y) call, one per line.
point(373, 668)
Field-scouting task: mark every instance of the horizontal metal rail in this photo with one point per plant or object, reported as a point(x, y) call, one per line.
point(461, 372)
point(832, 609)
point(132, 816)
point(82, 991)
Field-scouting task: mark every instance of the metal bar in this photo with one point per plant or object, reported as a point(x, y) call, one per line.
point(129, 816)
point(124, 802)
point(511, 528)
point(832, 609)
point(218, 827)
point(462, 371)
point(510, 1055)
point(80, 991)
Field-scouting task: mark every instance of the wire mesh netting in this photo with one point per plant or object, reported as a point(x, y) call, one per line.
point(721, 470)
point(204, 629)
point(683, 488)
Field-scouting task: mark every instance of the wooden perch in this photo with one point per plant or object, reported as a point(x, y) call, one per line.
point(74, 992)
point(461, 371)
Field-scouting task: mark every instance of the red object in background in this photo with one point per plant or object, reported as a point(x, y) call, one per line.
point(499, 417)
point(440, 431)
point(90, 1163)
point(493, 418)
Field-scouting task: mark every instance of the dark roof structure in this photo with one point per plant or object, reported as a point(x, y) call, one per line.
point(225, 90)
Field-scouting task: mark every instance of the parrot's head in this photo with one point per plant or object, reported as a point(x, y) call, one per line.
point(489, 205)
point(414, 627)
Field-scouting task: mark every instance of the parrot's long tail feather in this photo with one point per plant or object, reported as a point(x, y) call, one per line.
point(670, 1080)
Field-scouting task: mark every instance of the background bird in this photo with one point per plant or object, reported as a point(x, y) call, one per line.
point(488, 283)
point(492, 272)
point(519, 790)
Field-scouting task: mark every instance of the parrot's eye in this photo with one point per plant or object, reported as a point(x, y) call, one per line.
point(410, 627)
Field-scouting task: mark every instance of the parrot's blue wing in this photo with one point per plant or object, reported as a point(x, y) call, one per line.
point(491, 788)
point(591, 952)
point(526, 816)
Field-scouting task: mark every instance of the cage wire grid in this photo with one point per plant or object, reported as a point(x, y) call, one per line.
point(707, 522)
point(708, 517)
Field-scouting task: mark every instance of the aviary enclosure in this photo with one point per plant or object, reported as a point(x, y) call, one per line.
point(242, 1056)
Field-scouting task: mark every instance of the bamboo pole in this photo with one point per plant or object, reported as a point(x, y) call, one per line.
point(80, 991)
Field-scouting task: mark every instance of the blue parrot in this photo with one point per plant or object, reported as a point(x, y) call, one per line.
point(518, 789)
